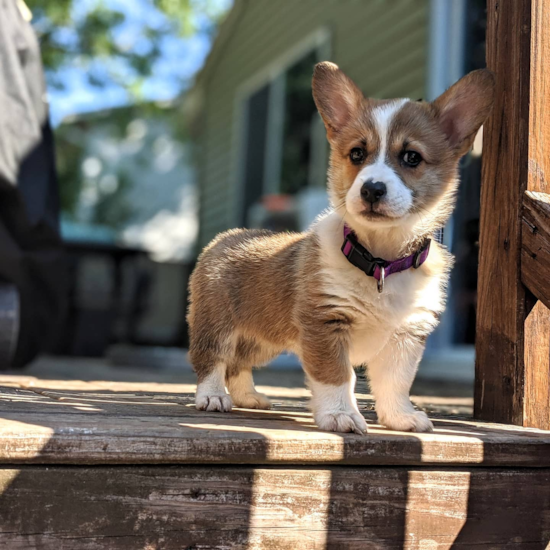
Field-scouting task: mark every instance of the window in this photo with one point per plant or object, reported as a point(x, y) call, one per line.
point(457, 47)
point(299, 118)
point(465, 235)
point(256, 141)
point(284, 147)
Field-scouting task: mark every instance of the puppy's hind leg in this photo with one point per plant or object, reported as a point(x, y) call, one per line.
point(244, 394)
point(210, 364)
point(239, 375)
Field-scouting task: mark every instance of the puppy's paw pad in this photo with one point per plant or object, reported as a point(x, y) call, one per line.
point(417, 421)
point(216, 402)
point(252, 400)
point(341, 422)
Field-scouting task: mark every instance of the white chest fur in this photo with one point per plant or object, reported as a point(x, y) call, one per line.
point(376, 316)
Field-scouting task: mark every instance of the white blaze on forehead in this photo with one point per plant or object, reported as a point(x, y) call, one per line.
point(383, 117)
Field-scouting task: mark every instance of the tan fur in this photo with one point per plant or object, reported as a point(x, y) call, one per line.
point(255, 293)
point(251, 295)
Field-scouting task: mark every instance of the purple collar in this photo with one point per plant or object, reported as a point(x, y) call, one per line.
point(378, 268)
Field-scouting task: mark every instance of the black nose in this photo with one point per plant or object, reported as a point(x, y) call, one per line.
point(373, 191)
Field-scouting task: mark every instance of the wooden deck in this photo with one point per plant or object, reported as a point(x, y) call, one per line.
point(132, 465)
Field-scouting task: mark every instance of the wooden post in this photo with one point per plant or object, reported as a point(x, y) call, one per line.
point(513, 329)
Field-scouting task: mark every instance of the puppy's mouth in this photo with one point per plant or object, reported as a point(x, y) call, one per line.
point(372, 213)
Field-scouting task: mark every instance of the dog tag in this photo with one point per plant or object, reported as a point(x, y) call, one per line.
point(381, 280)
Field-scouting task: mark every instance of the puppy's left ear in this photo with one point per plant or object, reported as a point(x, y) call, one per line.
point(464, 107)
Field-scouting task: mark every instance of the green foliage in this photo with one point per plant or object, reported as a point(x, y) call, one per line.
point(85, 36)
point(88, 41)
point(186, 12)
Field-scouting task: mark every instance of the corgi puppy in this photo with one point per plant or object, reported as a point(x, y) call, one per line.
point(365, 285)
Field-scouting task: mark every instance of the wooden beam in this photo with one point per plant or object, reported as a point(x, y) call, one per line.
point(238, 507)
point(535, 245)
point(535, 275)
point(510, 353)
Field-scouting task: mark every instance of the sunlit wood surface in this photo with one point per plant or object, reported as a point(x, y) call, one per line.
point(115, 422)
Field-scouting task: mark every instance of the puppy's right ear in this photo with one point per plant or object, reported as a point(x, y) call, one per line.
point(336, 96)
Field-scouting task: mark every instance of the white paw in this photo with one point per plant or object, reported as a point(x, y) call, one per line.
point(341, 421)
point(251, 400)
point(217, 402)
point(416, 421)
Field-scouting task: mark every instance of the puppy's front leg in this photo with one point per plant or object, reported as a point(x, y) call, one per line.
point(332, 382)
point(391, 375)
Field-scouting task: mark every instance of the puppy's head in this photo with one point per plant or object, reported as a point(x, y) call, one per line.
point(393, 161)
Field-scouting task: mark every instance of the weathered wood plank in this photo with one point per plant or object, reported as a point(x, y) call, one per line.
point(124, 508)
point(535, 245)
point(499, 331)
point(535, 275)
point(515, 158)
point(539, 92)
point(537, 380)
point(536, 405)
point(71, 426)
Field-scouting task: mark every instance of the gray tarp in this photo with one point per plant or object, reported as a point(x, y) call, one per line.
point(32, 279)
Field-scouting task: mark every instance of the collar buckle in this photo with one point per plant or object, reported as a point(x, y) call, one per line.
point(360, 257)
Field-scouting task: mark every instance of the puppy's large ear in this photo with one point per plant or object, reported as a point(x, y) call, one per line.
point(336, 96)
point(464, 107)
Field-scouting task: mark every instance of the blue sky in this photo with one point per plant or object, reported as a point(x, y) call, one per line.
point(181, 58)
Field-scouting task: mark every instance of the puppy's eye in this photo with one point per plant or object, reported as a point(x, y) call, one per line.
point(357, 155)
point(412, 158)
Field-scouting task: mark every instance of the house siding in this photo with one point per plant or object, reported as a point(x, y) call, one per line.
point(381, 44)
